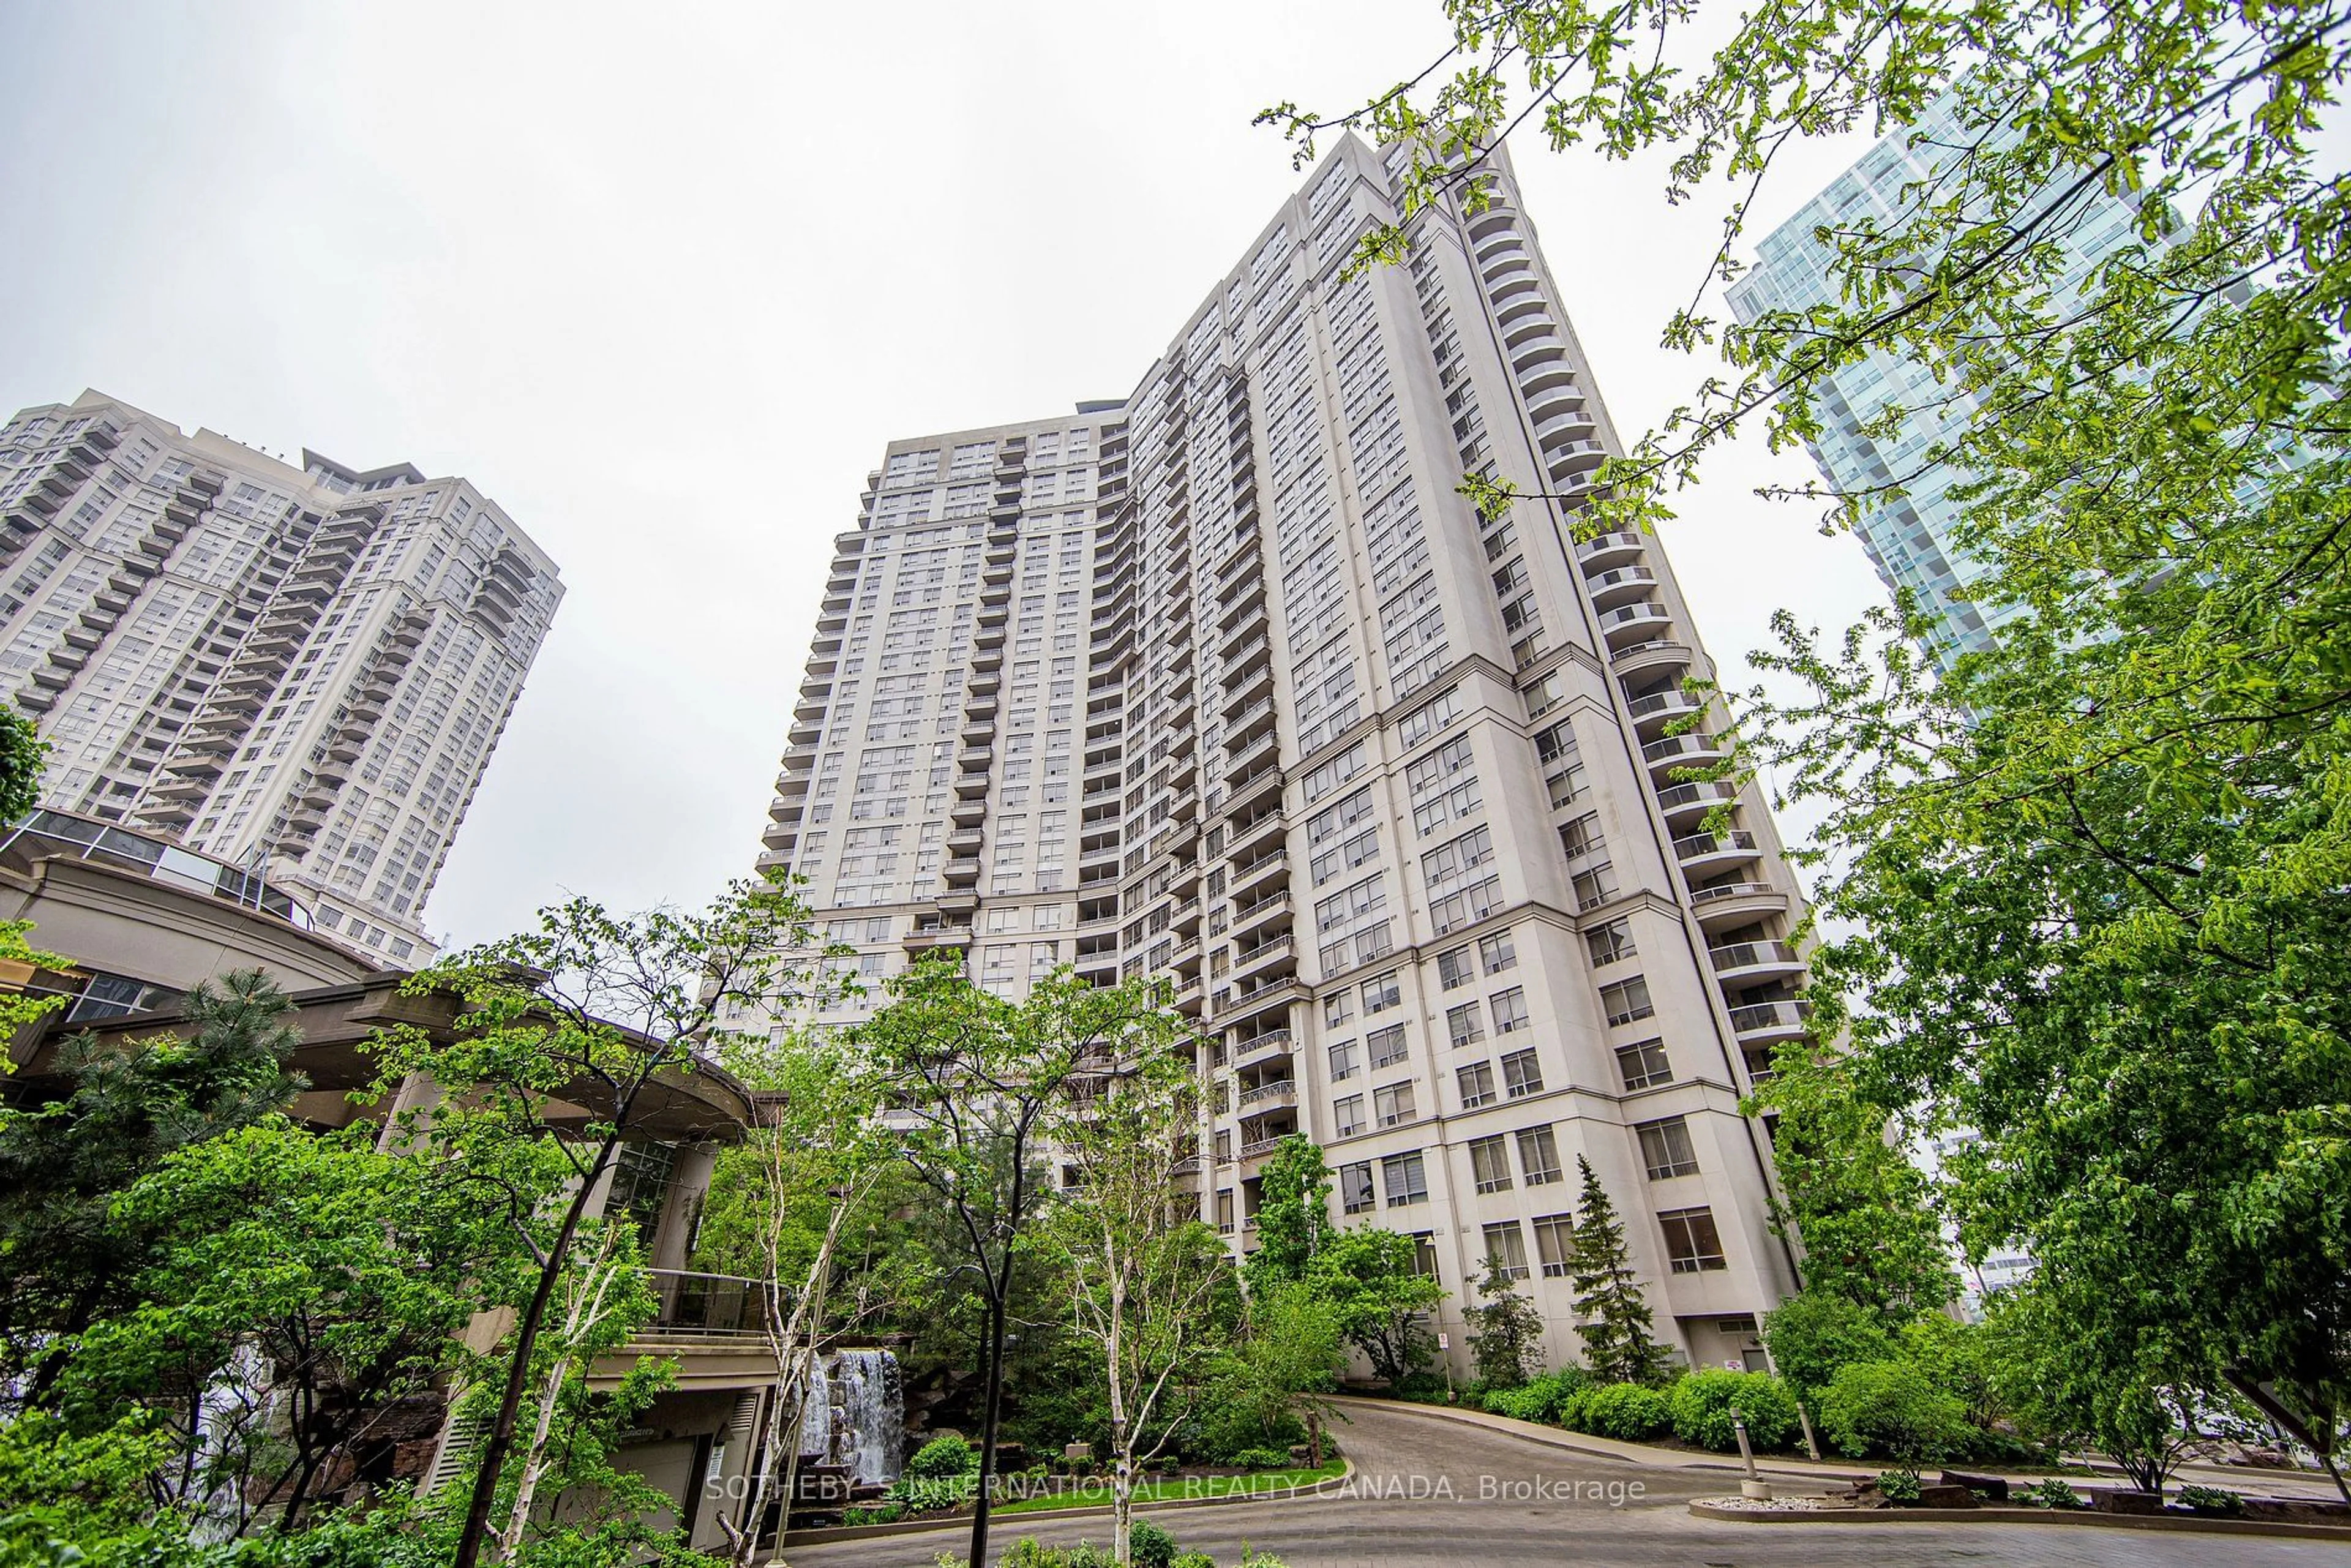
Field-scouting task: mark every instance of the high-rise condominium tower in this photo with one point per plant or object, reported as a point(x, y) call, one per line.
point(1913, 540)
point(300, 670)
point(1226, 684)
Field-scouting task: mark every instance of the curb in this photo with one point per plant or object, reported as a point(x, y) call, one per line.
point(1297, 1491)
point(2022, 1516)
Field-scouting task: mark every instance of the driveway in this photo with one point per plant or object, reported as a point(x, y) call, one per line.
point(1432, 1492)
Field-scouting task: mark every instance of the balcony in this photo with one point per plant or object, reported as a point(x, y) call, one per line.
point(1736, 902)
point(1628, 623)
point(1700, 853)
point(1262, 960)
point(1274, 1094)
point(1682, 803)
point(1254, 916)
point(1765, 1023)
point(1656, 651)
point(1657, 709)
point(707, 1305)
point(1750, 963)
point(1681, 751)
point(961, 871)
point(1610, 588)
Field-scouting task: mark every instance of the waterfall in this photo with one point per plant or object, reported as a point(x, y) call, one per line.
point(855, 1416)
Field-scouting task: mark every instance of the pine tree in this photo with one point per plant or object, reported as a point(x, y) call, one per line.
point(1613, 1315)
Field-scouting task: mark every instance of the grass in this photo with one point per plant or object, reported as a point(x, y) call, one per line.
point(1179, 1487)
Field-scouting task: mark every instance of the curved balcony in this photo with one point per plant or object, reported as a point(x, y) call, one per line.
point(1532, 327)
point(1751, 963)
point(1766, 1023)
point(1511, 280)
point(1659, 708)
point(1568, 460)
point(1612, 549)
point(1701, 854)
point(1692, 750)
point(1737, 904)
point(1686, 803)
point(1628, 622)
point(1648, 656)
point(1610, 588)
point(1530, 352)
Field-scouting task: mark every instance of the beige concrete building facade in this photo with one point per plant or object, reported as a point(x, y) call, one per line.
point(299, 669)
point(1227, 682)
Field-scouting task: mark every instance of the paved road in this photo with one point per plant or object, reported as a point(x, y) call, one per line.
point(1433, 1493)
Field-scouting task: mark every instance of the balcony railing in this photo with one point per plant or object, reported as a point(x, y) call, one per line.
point(691, 1303)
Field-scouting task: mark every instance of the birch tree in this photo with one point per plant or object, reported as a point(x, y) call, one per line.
point(1147, 1283)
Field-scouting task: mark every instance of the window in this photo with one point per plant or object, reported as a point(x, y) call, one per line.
point(1610, 943)
point(1347, 1113)
point(1498, 953)
point(1355, 1188)
point(1393, 1104)
point(1381, 993)
point(1489, 1164)
point(1555, 1243)
point(1595, 887)
point(1225, 1211)
point(1477, 1081)
point(1506, 1249)
point(1405, 1178)
point(1666, 1146)
point(1462, 1024)
point(1626, 1002)
point(1453, 970)
point(1343, 1062)
point(1692, 1243)
point(1387, 1046)
point(1334, 1009)
point(1522, 1074)
point(1509, 1010)
point(1447, 861)
point(1539, 1157)
point(1644, 1065)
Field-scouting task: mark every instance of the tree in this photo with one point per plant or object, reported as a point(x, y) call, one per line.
point(1813, 1332)
point(974, 1082)
point(1372, 1279)
point(297, 1289)
point(1293, 1214)
point(1290, 1355)
point(590, 1010)
point(1613, 1314)
point(1505, 1330)
point(2086, 882)
point(67, 1260)
point(1147, 1283)
point(784, 1204)
point(1893, 1408)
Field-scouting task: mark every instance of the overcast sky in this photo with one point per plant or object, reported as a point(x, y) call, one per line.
point(663, 280)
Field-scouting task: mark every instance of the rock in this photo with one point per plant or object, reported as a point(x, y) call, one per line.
point(1994, 1488)
point(1078, 1453)
point(1944, 1495)
point(2124, 1500)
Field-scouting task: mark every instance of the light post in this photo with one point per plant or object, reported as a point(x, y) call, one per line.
point(1755, 1488)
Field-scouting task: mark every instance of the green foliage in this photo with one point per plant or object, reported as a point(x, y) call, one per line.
point(1899, 1486)
point(1613, 1314)
point(1293, 1216)
point(942, 1458)
point(1280, 1370)
point(2049, 1492)
point(1542, 1397)
point(1813, 1332)
point(1891, 1410)
point(1149, 1546)
point(1702, 1401)
point(1192, 1560)
point(67, 1260)
point(2219, 1502)
point(1960, 1359)
point(1628, 1412)
point(1262, 1459)
point(1371, 1279)
point(1505, 1331)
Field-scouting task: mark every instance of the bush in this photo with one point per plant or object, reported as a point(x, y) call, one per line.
point(1193, 1559)
point(1150, 1546)
point(2209, 1499)
point(1261, 1459)
point(1813, 1334)
point(1628, 1412)
point(2048, 1493)
point(1899, 1486)
point(1702, 1402)
point(1889, 1409)
point(1541, 1398)
point(1030, 1552)
point(873, 1514)
point(942, 1457)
